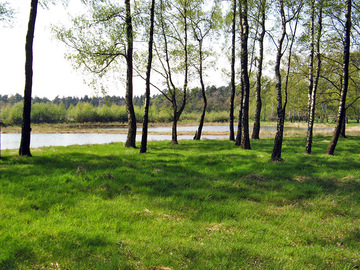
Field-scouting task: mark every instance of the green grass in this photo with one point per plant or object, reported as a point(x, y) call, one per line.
point(197, 205)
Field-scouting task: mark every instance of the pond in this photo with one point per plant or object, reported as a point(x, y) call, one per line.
point(12, 141)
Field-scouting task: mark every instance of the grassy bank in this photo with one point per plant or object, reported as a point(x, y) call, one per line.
point(197, 205)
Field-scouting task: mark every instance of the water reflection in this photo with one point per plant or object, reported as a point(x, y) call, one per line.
point(12, 141)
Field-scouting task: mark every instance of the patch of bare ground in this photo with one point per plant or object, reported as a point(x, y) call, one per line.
point(301, 179)
point(220, 228)
point(349, 177)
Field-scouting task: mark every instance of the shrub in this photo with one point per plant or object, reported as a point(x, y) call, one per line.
point(82, 112)
point(214, 116)
point(47, 113)
point(12, 114)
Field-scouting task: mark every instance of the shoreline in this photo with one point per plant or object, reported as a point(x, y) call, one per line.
point(294, 129)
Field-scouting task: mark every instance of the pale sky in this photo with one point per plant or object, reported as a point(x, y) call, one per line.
point(53, 74)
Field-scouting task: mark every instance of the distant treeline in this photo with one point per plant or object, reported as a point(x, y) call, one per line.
point(112, 108)
point(217, 99)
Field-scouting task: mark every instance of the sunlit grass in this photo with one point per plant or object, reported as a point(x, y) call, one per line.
point(196, 205)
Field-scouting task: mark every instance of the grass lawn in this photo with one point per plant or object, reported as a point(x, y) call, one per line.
point(196, 205)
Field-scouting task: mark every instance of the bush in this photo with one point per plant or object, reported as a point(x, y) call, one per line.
point(47, 113)
point(213, 116)
point(12, 114)
point(191, 116)
point(111, 113)
point(119, 112)
point(82, 112)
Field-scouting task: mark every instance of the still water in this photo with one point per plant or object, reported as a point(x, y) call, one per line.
point(12, 141)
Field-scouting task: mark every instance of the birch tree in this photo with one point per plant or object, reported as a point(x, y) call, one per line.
point(262, 9)
point(313, 81)
point(233, 58)
point(99, 40)
point(202, 25)
point(244, 28)
point(143, 146)
point(172, 51)
point(286, 18)
point(342, 105)
point(24, 149)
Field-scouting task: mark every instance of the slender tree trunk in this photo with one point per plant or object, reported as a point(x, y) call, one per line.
point(281, 109)
point(312, 52)
point(276, 153)
point(240, 129)
point(256, 128)
point(131, 137)
point(245, 139)
point(343, 128)
point(232, 84)
point(174, 127)
point(202, 119)
point(26, 124)
point(341, 115)
point(144, 136)
point(177, 113)
point(314, 85)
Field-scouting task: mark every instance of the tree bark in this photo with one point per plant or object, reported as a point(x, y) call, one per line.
point(232, 83)
point(245, 138)
point(26, 123)
point(276, 153)
point(314, 83)
point(240, 129)
point(131, 137)
point(341, 114)
point(202, 119)
point(311, 57)
point(144, 136)
point(281, 109)
point(343, 128)
point(174, 128)
point(177, 113)
point(256, 128)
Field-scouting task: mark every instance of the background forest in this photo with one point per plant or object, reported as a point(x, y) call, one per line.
point(112, 108)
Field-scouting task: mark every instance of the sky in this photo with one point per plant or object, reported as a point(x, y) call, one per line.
point(53, 74)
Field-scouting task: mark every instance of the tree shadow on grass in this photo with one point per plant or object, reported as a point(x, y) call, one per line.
point(193, 174)
point(186, 179)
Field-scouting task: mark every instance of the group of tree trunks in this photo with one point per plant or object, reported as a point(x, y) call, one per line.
point(288, 21)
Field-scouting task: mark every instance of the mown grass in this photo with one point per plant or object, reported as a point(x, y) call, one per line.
point(196, 205)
